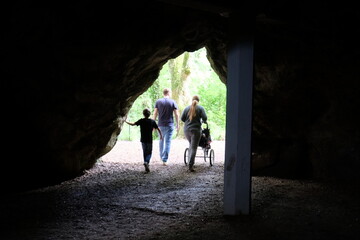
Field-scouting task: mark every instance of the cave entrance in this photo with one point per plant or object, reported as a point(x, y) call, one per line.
point(187, 75)
point(239, 87)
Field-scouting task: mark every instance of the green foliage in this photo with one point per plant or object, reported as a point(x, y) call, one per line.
point(214, 102)
point(202, 81)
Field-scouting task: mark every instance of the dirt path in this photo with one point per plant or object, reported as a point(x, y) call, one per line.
point(117, 200)
point(130, 152)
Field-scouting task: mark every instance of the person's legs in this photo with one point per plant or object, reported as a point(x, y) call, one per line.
point(165, 143)
point(194, 137)
point(147, 151)
point(166, 150)
point(188, 135)
point(161, 141)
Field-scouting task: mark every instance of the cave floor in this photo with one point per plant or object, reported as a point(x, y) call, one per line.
point(117, 200)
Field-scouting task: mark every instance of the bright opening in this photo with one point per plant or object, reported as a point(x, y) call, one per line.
point(187, 75)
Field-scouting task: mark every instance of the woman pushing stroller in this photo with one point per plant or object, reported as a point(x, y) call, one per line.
point(193, 116)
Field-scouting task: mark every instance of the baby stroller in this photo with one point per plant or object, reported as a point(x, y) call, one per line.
point(205, 144)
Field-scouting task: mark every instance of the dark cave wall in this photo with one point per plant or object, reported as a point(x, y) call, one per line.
point(305, 97)
point(75, 71)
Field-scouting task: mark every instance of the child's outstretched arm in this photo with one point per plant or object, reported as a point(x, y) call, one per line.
point(130, 123)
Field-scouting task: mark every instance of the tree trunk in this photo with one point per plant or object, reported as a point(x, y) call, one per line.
point(179, 71)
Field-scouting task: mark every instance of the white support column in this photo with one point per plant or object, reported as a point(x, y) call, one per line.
point(237, 169)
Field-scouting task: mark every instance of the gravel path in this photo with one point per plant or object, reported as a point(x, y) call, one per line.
point(130, 152)
point(117, 200)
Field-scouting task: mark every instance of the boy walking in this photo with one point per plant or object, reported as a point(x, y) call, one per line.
point(146, 127)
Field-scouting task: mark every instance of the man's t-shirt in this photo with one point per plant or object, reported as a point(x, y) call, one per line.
point(166, 107)
point(146, 127)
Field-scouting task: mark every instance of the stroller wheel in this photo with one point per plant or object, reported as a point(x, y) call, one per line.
point(186, 156)
point(212, 157)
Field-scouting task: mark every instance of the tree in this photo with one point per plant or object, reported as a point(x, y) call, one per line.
point(179, 72)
